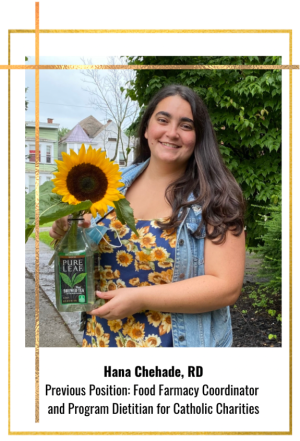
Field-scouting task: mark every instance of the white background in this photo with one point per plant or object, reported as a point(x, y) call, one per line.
point(264, 368)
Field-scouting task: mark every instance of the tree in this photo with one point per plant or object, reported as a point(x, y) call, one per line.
point(62, 132)
point(108, 94)
point(245, 108)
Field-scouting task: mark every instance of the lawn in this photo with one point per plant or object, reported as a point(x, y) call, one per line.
point(44, 237)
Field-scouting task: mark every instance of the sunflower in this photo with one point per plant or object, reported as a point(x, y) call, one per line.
point(130, 344)
point(157, 278)
point(115, 325)
point(152, 341)
point(111, 286)
point(103, 341)
point(99, 331)
point(148, 241)
point(123, 258)
point(135, 281)
point(154, 318)
point(159, 254)
point(120, 284)
point(88, 176)
point(166, 324)
point(136, 331)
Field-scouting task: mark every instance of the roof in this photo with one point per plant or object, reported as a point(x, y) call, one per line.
point(101, 129)
point(90, 125)
point(77, 134)
point(44, 125)
point(30, 139)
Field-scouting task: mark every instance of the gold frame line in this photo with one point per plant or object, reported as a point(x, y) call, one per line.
point(37, 31)
point(150, 67)
point(37, 226)
point(291, 233)
point(9, 232)
point(154, 31)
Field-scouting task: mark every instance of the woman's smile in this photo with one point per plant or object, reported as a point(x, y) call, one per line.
point(169, 145)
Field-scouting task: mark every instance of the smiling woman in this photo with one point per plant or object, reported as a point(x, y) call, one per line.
point(171, 133)
point(173, 283)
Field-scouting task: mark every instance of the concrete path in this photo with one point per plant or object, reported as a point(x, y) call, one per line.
point(53, 330)
point(56, 329)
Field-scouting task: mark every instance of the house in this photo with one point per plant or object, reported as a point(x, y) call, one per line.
point(90, 131)
point(48, 151)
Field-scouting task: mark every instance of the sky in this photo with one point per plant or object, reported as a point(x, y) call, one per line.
point(62, 97)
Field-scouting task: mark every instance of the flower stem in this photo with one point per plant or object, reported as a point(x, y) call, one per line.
point(73, 233)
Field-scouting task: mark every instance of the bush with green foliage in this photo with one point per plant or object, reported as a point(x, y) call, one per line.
point(271, 250)
point(245, 108)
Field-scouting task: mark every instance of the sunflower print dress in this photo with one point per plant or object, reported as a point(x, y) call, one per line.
point(140, 261)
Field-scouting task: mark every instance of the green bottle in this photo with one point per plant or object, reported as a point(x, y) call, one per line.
point(74, 271)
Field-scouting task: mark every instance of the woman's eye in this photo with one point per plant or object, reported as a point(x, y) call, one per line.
point(163, 120)
point(187, 127)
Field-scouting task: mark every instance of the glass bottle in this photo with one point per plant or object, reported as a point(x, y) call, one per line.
point(74, 271)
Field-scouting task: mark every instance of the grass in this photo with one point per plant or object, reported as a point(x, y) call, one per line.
point(48, 224)
point(44, 237)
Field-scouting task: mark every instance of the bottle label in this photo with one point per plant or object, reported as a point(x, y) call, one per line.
point(72, 278)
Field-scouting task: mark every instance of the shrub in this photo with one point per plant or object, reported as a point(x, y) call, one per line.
point(270, 251)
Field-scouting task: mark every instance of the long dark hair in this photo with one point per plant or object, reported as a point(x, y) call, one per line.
point(206, 176)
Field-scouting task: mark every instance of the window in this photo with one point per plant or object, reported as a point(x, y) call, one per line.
point(32, 154)
point(48, 154)
point(112, 139)
point(31, 183)
point(121, 159)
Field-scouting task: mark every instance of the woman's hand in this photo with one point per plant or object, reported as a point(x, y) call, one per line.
point(122, 303)
point(60, 226)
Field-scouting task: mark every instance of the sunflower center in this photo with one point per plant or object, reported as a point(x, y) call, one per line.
point(86, 181)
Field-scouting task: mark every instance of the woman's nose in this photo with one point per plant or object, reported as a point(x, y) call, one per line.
point(172, 131)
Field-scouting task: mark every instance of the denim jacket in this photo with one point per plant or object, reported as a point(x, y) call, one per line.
point(209, 329)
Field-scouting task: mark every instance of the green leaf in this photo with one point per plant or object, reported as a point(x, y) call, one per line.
point(66, 279)
point(51, 206)
point(121, 338)
point(152, 265)
point(28, 230)
point(79, 278)
point(124, 213)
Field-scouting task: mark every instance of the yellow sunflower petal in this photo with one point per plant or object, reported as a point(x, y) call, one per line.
point(67, 160)
point(81, 153)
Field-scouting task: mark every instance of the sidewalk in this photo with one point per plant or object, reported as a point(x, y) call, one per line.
point(56, 329)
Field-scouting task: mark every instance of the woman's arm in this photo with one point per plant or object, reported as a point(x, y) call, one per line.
point(220, 286)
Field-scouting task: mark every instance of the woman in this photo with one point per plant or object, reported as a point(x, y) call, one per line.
point(189, 212)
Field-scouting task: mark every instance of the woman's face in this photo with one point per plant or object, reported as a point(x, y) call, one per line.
point(171, 133)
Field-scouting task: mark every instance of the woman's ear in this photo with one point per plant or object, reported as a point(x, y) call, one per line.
point(146, 133)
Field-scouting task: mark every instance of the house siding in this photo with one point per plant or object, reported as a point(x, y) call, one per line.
point(45, 169)
point(51, 134)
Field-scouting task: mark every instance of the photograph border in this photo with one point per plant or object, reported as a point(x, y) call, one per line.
point(37, 67)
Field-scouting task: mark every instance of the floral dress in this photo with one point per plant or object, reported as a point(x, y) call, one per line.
point(140, 261)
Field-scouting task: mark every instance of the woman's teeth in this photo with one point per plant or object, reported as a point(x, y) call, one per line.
point(170, 145)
